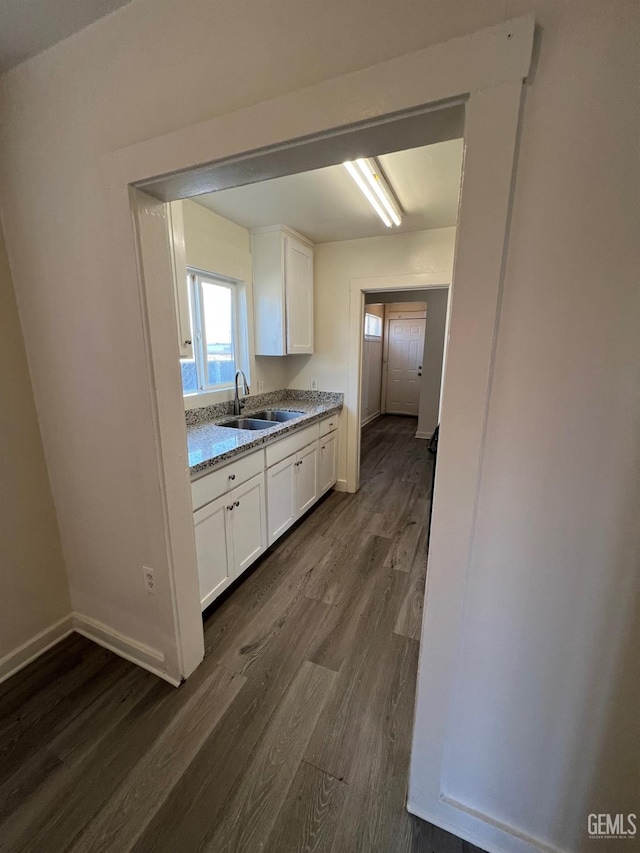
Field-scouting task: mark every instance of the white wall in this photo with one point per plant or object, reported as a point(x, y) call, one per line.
point(544, 726)
point(335, 264)
point(34, 593)
point(215, 244)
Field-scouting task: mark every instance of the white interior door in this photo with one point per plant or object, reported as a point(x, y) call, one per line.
point(405, 347)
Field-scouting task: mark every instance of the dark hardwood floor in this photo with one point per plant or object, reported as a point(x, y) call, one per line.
point(294, 733)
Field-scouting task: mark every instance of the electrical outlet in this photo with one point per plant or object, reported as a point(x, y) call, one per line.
point(260, 386)
point(314, 384)
point(149, 579)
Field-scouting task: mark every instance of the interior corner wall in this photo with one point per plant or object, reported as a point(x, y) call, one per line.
point(217, 245)
point(35, 593)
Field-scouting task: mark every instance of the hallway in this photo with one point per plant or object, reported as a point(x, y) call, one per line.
point(293, 734)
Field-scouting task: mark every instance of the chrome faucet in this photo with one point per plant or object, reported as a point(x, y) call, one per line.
point(238, 404)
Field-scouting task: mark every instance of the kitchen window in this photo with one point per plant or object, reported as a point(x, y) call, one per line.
point(213, 311)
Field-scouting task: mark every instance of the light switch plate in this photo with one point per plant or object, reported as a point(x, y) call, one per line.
point(314, 384)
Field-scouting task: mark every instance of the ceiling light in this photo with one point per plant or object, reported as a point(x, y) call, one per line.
point(371, 182)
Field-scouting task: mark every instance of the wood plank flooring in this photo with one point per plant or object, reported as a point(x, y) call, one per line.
point(294, 733)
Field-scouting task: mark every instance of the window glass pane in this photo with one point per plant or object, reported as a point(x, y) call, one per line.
point(189, 375)
point(217, 308)
point(372, 326)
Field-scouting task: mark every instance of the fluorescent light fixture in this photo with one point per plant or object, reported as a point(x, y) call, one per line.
point(371, 182)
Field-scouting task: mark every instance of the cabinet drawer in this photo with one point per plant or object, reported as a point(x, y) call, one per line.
point(328, 425)
point(212, 485)
point(291, 444)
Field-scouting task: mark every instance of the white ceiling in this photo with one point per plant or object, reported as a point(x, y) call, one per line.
point(28, 27)
point(326, 206)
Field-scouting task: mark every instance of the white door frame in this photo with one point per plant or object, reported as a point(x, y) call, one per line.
point(485, 71)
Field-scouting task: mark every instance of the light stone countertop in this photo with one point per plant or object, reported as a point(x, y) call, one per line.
point(210, 444)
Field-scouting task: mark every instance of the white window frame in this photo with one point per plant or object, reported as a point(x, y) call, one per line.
point(195, 280)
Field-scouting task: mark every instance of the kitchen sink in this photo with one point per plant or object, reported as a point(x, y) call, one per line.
point(276, 415)
point(248, 423)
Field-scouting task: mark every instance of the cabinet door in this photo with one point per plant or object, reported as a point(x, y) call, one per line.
point(213, 548)
point(281, 500)
point(299, 296)
point(306, 478)
point(326, 462)
point(249, 523)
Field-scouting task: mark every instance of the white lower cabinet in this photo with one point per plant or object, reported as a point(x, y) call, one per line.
point(248, 516)
point(235, 528)
point(214, 549)
point(292, 488)
point(306, 478)
point(281, 496)
point(327, 462)
point(231, 532)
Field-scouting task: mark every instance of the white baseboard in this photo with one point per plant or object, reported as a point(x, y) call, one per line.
point(340, 486)
point(33, 648)
point(369, 419)
point(513, 841)
point(144, 656)
point(420, 434)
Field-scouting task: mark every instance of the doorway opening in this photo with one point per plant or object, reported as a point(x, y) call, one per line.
point(402, 369)
point(269, 263)
point(403, 347)
point(482, 75)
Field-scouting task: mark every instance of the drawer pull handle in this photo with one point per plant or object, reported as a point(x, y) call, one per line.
point(325, 447)
point(236, 503)
point(232, 476)
point(230, 508)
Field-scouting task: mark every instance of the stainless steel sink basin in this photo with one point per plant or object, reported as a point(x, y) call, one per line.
point(248, 423)
point(277, 415)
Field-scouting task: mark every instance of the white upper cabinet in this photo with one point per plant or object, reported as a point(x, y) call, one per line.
point(282, 291)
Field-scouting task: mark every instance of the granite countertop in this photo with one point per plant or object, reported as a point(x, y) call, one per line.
point(211, 444)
